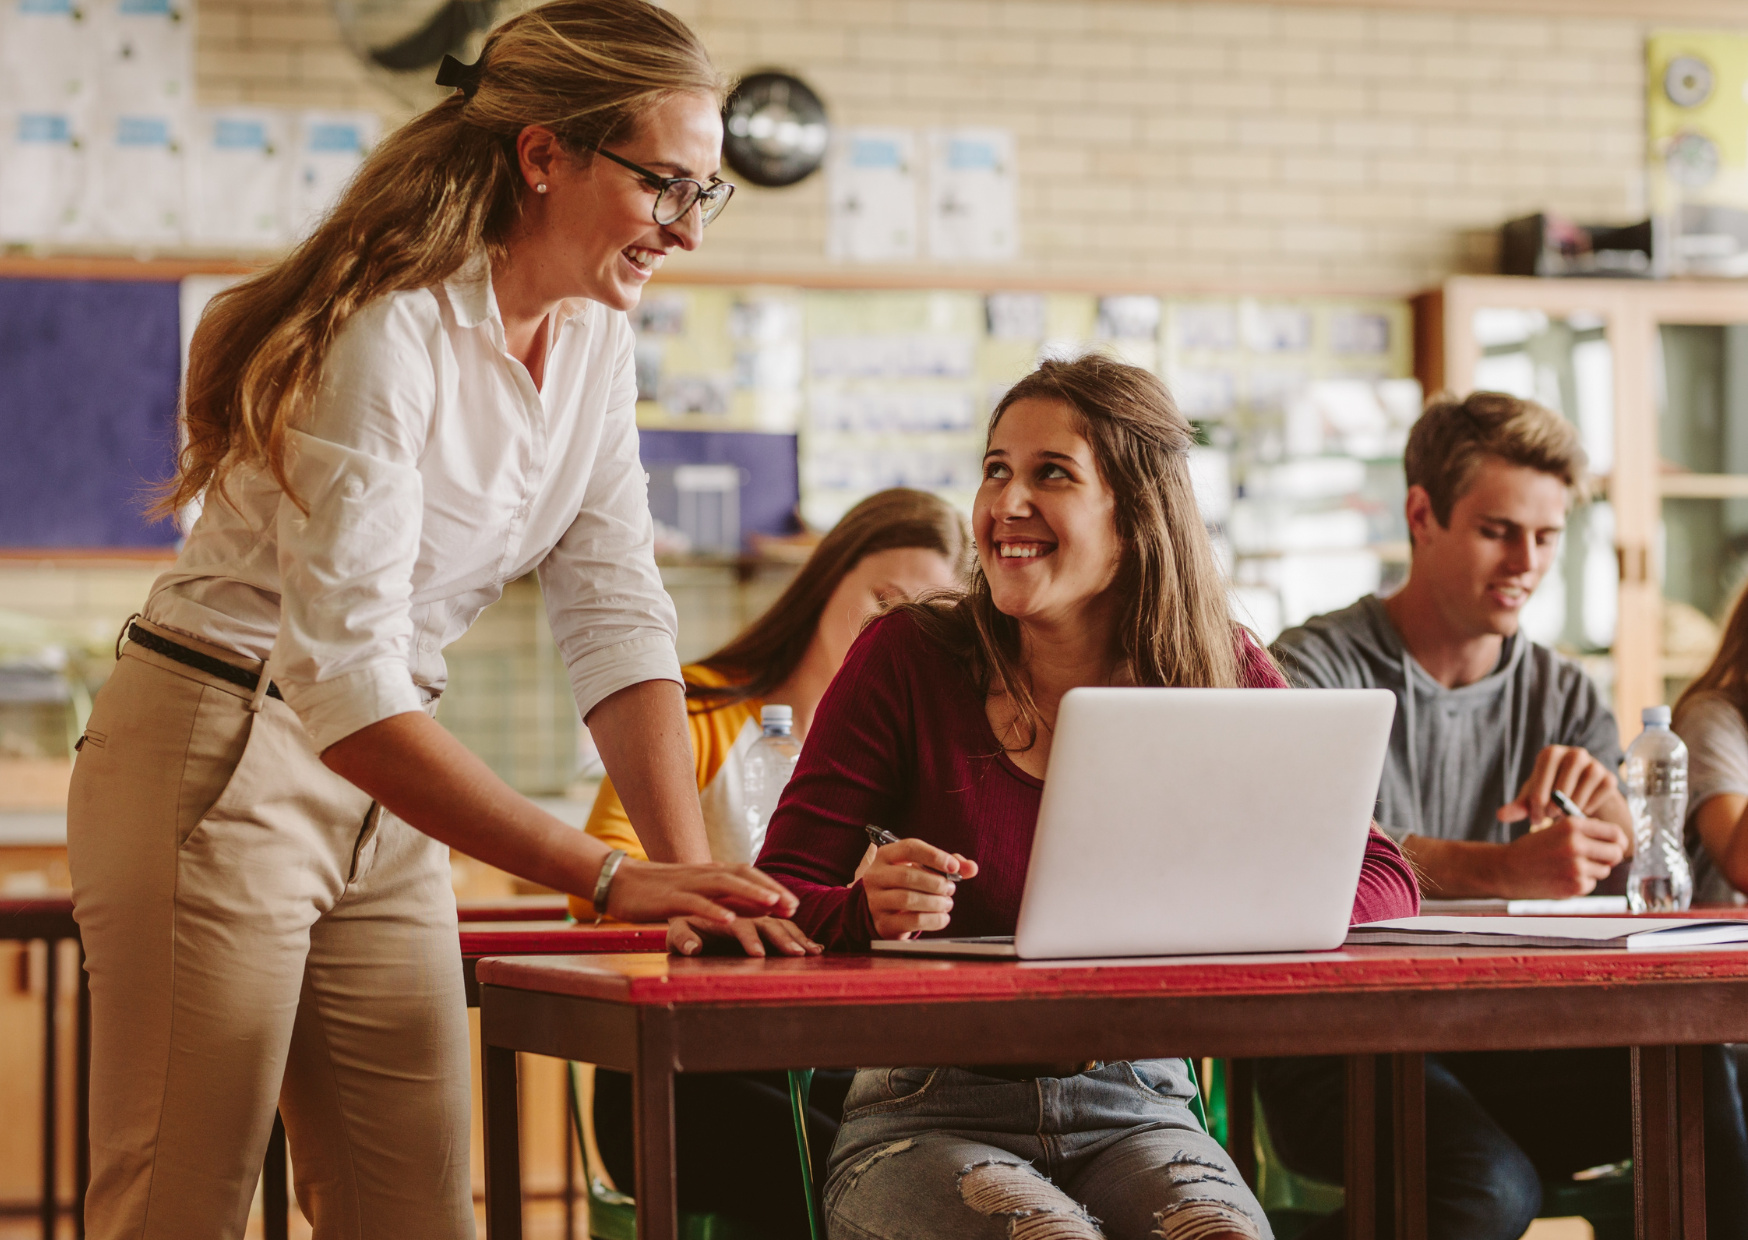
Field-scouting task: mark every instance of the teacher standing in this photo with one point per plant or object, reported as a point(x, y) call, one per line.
point(430, 397)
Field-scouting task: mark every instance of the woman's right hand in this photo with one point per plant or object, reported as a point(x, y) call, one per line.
point(646, 891)
point(906, 899)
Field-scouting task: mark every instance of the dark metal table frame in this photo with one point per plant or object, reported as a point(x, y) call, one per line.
point(1665, 1022)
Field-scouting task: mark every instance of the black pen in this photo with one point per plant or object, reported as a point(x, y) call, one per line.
point(1567, 805)
point(880, 836)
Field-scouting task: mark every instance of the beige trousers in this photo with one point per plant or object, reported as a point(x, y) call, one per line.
point(259, 933)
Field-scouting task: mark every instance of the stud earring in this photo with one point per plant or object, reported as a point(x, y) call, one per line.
point(541, 188)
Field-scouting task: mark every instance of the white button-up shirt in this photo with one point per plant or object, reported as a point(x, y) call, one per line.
point(434, 472)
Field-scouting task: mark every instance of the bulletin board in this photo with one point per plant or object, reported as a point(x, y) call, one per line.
point(89, 371)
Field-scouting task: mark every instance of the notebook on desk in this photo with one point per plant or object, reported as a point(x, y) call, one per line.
point(1627, 933)
point(1193, 821)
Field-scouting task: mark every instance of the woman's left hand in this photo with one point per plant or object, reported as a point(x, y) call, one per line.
point(686, 935)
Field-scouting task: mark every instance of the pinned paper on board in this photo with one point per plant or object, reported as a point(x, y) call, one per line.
point(145, 54)
point(330, 147)
point(973, 196)
point(47, 55)
point(141, 186)
point(42, 176)
point(1017, 316)
point(872, 192)
point(238, 161)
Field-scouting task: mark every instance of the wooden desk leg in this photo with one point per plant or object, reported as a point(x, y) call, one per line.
point(1668, 1143)
point(1408, 1141)
point(1241, 1117)
point(1362, 1145)
point(503, 1144)
point(652, 1108)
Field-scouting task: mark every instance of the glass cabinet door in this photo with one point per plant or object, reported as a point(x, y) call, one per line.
point(1700, 380)
point(1566, 363)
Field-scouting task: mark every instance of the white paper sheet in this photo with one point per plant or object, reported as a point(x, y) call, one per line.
point(145, 54)
point(872, 194)
point(139, 177)
point(238, 173)
point(42, 176)
point(48, 52)
point(329, 148)
point(973, 196)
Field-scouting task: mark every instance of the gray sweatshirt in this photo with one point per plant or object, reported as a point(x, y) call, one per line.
point(1456, 755)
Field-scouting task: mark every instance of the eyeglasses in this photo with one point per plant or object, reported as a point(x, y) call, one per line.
point(675, 196)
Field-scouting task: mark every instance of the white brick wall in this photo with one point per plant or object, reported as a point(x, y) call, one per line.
point(1184, 143)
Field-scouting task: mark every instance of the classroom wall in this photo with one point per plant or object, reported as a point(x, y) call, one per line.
point(1181, 143)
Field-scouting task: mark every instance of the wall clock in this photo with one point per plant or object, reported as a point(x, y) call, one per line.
point(774, 129)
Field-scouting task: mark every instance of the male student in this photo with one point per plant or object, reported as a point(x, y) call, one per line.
point(1487, 725)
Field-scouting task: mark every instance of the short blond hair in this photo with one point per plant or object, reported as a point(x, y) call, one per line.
point(1448, 443)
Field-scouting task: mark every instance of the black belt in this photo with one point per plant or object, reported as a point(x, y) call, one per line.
point(229, 672)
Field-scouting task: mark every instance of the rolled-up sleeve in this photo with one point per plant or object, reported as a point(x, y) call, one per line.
point(346, 564)
point(614, 622)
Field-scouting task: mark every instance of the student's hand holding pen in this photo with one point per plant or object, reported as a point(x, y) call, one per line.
point(1577, 833)
point(1586, 782)
point(910, 887)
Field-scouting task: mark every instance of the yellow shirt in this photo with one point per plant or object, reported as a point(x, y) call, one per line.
point(720, 740)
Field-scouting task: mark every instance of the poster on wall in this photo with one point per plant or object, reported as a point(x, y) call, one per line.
point(329, 148)
point(238, 161)
point(872, 194)
point(140, 185)
point(1696, 117)
point(42, 175)
point(47, 86)
point(973, 196)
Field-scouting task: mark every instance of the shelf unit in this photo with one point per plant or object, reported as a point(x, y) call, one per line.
point(1632, 316)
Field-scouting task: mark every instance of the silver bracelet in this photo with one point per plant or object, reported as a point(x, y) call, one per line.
point(604, 883)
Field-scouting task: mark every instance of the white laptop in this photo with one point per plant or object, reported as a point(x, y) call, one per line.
point(1191, 821)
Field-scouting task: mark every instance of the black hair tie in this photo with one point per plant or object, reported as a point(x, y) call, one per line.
point(464, 78)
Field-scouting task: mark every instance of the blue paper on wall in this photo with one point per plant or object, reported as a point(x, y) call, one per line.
point(88, 379)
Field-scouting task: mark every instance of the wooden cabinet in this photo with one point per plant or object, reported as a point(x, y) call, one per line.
point(1655, 373)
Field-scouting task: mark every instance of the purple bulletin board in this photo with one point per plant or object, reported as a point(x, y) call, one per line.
point(771, 489)
point(88, 379)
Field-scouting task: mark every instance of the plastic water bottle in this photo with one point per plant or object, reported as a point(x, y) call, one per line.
point(1660, 880)
point(770, 763)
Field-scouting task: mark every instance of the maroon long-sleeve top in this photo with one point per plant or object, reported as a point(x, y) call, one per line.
point(902, 739)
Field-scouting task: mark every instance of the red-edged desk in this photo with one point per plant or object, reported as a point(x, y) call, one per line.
point(550, 938)
point(654, 1015)
point(514, 908)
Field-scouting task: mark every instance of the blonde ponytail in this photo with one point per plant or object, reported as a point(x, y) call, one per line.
point(438, 190)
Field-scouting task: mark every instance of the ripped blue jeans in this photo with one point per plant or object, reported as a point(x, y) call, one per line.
point(1111, 1152)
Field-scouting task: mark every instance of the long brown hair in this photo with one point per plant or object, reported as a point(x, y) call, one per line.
point(1727, 673)
point(769, 649)
point(439, 190)
point(1175, 628)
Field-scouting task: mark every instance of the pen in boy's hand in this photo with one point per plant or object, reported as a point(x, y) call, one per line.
point(881, 836)
point(1567, 805)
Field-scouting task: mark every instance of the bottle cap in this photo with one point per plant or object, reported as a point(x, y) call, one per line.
point(1655, 716)
point(776, 714)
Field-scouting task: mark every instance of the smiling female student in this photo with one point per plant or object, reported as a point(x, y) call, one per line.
point(1094, 569)
point(429, 397)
